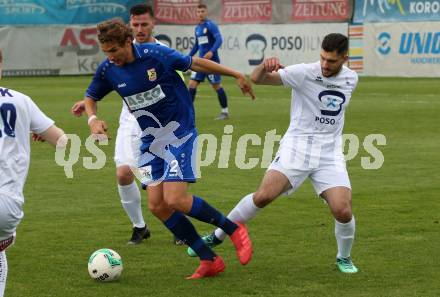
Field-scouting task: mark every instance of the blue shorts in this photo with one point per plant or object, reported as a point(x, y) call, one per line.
point(174, 162)
point(200, 77)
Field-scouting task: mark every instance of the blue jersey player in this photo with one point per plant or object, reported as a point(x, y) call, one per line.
point(146, 79)
point(208, 40)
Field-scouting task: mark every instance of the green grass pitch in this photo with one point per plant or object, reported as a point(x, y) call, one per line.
point(397, 207)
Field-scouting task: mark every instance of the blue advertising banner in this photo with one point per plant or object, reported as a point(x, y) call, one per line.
point(43, 12)
point(370, 11)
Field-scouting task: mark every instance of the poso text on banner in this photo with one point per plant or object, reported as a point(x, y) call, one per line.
point(246, 46)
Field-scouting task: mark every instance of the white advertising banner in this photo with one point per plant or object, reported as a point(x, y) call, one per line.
point(245, 46)
point(51, 50)
point(58, 50)
point(402, 49)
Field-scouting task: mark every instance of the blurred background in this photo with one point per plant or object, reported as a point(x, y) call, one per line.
point(387, 37)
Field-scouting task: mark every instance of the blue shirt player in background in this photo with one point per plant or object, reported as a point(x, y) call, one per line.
point(145, 77)
point(208, 40)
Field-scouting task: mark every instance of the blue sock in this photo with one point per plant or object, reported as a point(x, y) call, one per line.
point(204, 212)
point(222, 98)
point(180, 226)
point(192, 93)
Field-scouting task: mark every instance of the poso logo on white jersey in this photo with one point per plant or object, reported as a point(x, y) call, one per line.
point(331, 102)
point(145, 99)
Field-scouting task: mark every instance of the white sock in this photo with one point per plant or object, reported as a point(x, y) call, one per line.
point(3, 272)
point(225, 110)
point(131, 201)
point(242, 212)
point(344, 237)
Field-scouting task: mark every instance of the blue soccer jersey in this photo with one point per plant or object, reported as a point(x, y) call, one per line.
point(208, 38)
point(150, 84)
point(154, 92)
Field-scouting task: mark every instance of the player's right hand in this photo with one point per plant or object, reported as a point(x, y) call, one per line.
point(78, 108)
point(245, 86)
point(272, 64)
point(98, 128)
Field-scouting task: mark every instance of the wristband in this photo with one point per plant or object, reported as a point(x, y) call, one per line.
point(91, 118)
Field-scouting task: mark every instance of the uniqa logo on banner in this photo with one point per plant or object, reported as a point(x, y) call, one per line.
point(384, 47)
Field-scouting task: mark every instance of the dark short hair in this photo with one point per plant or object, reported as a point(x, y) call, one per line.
point(201, 5)
point(114, 30)
point(335, 42)
point(141, 9)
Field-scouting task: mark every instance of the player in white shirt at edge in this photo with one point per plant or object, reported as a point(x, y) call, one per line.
point(128, 142)
point(19, 116)
point(312, 145)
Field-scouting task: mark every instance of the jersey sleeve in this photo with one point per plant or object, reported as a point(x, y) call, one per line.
point(213, 28)
point(174, 59)
point(39, 121)
point(293, 76)
point(99, 86)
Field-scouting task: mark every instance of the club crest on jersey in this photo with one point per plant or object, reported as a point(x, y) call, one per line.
point(152, 75)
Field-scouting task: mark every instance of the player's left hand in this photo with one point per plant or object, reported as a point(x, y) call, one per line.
point(208, 55)
point(245, 86)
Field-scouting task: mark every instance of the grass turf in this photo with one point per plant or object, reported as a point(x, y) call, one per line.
point(396, 206)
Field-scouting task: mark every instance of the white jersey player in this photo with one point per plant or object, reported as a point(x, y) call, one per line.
point(19, 116)
point(311, 146)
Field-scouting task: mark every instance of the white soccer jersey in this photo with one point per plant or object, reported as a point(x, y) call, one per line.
point(19, 116)
point(318, 102)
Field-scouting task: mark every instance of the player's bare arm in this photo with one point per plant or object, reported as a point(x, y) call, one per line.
point(55, 136)
point(266, 73)
point(208, 66)
point(97, 126)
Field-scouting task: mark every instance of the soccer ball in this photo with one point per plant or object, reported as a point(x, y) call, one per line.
point(105, 265)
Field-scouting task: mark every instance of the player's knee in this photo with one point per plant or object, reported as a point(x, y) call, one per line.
point(216, 87)
point(124, 175)
point(175, 202)
point(262, 198)
point(156, 208)
point(343, 213)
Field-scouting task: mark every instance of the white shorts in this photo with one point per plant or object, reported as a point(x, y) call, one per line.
point(11, 213)
point(128, 141)
point(323, 163)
